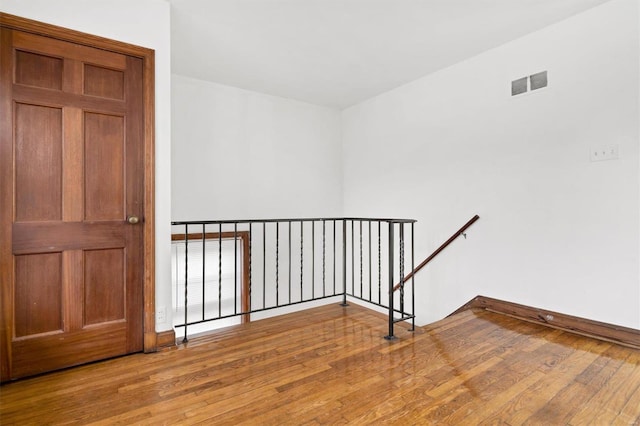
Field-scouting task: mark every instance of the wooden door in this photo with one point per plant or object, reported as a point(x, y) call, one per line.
point(71, 154)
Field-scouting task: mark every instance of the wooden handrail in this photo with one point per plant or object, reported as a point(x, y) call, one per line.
point(437, 251)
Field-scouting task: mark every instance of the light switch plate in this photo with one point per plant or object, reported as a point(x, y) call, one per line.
point(604, 152)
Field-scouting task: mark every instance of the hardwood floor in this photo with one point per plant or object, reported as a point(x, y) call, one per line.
point(330, 365)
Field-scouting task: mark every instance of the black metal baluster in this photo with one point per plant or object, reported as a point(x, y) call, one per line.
point(204, 251)
point(361, 294)
point(186, 280)
point(353, 264)
point(370, 296)
point(324, 288)
point(301, 259)
point(390, 336)
point(313, 259)
point(219, 270)
point(334, 257)
point(277, 266)
point(235, 268)
point(250, 254)
point(289, 262)
point(401, 267)
point(379, 262)
point(264, 264)
point(344, 262)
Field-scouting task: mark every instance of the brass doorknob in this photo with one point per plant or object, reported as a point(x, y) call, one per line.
point(133, 220)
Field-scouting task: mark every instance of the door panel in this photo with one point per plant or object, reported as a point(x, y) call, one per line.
point(54, 351)
point(103, 166)
point(77, 172)
point(104, 286)
point(103, 82)
point(38, 288)
point(38, 146)
point(33, 69)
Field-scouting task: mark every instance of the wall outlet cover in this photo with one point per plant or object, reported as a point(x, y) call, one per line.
point(161, 315)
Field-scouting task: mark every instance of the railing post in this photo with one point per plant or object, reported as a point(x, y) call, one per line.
point(390, 336)
point(219, 272)
point(344, 262)
point(186, 280)
point(413, 282)
point(401, 265)
point(204, 263)
point(235, 268)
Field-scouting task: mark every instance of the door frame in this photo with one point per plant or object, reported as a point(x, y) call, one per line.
point(148, 57)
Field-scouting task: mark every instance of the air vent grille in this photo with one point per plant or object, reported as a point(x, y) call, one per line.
point(539, 80)
point(532, 82)
point(519, 86)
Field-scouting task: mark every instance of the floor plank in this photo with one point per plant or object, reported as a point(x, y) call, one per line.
point(331, 365)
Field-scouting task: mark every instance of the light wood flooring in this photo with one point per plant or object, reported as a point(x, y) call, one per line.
point(330, 365)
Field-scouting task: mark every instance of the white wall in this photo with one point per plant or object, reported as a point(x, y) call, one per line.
point(144, 23)
point(238, 154)
point(556, 231)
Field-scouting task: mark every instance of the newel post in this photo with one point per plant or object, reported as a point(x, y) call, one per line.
point(344, 262)
point(390, 336)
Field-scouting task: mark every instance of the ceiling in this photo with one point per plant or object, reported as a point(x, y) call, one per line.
point(338, 53)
